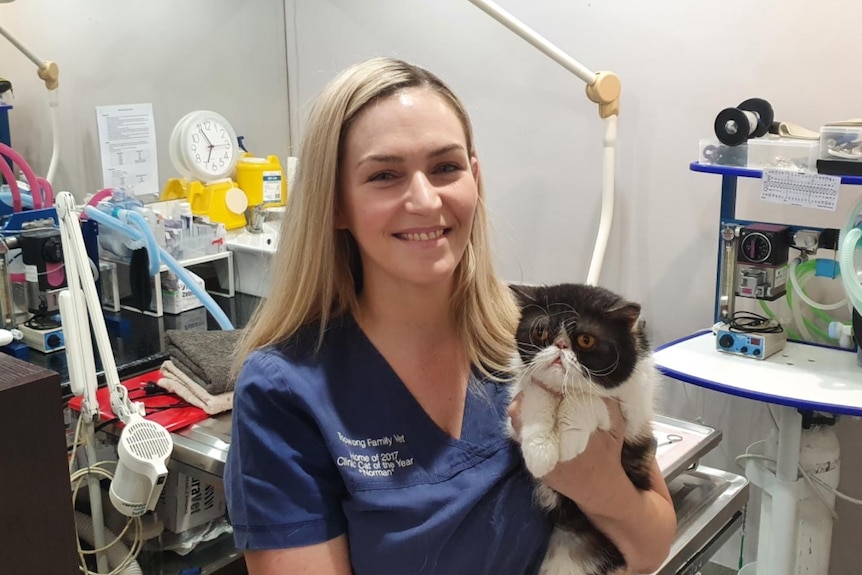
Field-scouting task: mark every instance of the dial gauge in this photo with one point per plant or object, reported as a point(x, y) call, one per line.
point(755, 247)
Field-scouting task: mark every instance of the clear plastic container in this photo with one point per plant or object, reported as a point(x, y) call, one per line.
point(715, 153)
point(841, 143)
point(776, 153)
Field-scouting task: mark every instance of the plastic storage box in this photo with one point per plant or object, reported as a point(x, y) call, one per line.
point(776, 153)
point(714, 152)
point(841, 143)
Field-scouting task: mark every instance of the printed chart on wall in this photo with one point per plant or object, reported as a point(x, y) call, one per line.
point(817, 191)
point(127, 142)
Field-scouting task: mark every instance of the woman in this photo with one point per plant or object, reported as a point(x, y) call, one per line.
point(368, 427)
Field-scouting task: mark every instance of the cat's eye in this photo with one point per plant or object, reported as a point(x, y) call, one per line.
point(540, 332)
point(586, 341)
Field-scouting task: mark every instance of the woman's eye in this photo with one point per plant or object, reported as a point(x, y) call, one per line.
point(382, 177)
point(586, 341)
point(447, 168)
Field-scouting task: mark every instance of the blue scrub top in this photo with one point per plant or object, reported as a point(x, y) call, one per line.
point(333, 443)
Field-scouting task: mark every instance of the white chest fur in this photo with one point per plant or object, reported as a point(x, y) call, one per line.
point(557, 426)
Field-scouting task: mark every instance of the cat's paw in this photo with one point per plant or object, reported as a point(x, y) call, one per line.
point(541, 454)
point(572, 443)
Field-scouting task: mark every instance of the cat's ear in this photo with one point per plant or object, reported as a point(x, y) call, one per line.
point(629, 312)
point(524, 294)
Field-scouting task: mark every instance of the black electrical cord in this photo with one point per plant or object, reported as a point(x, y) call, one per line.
point(749, 322)
point(150, 390)
point(42, 322)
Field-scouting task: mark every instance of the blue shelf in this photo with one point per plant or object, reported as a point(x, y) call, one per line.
point(752, 173)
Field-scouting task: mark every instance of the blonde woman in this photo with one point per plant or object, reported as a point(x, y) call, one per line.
point(368, 424)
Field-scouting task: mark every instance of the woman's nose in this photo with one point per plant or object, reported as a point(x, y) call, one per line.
point(422, 195)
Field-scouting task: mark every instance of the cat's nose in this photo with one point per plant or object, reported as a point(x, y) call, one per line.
point(560, 343)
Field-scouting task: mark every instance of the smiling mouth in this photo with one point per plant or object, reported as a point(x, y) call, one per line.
point(423, 236)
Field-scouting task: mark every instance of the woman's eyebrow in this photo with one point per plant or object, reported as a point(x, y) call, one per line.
point(395, 159)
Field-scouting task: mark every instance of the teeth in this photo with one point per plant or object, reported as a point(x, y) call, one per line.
point(423, 237)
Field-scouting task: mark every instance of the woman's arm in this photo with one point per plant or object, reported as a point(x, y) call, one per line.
point(642, 524)
point(328, 558)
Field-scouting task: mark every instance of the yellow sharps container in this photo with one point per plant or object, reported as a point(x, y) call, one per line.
point(262, 179)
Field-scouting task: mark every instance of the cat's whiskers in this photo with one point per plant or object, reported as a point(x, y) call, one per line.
point(529, 346)
point(567, 379)
point(604, 372)
point(566, 308)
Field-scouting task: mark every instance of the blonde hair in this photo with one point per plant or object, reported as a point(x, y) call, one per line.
point(316, 268)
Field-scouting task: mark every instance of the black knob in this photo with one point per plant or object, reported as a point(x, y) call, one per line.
point(52, 250)
point(756, 352)
point(54, 340)
point(744, 349)
point(725, 341)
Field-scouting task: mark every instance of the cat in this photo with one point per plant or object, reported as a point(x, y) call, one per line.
point(578, 344)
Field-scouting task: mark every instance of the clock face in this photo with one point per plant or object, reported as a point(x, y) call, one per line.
point(210, 146)
point(203, 146)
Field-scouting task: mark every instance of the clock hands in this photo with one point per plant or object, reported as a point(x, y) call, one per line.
point(204, 134)
point(209, 144)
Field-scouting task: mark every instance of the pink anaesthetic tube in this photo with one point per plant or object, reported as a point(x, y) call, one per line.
point(32, 181)
point(47, 192)
point(13, 185)
point(98, 197)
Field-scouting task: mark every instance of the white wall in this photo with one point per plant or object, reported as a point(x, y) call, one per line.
point(538, 136)
point(223, 55)
point(539, 141)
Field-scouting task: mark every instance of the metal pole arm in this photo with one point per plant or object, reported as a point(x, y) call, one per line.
point(603, 88)
point(48, 70)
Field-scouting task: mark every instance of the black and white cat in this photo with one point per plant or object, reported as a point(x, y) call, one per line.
point(578, 344)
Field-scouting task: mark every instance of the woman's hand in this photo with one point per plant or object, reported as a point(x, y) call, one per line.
point(642, 524)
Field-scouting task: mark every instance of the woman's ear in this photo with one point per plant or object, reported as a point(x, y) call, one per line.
point(474, 167)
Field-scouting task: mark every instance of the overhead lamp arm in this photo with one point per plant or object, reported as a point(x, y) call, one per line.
point(603, 88)
point(48, 70)
point(49, 73)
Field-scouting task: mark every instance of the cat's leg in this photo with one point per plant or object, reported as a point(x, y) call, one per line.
point(545, 497)
point(540, 443)
point(637, 399)
point(577, 421)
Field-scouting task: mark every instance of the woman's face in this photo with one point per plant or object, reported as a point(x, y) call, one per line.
point(408, 189)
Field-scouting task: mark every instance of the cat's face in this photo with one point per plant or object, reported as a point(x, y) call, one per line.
point(576, 338)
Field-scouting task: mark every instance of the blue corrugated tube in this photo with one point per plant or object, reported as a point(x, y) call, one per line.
point(160, 256)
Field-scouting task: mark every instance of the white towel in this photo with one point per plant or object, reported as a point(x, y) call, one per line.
point(176, 381)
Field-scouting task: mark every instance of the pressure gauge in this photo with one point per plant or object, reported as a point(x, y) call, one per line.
point(764, 244)
point(203, 146)
point(755, 248)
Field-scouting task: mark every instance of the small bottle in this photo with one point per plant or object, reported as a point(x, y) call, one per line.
point(186, 218)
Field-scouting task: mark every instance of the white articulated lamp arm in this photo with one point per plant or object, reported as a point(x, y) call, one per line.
point(77, 303)
point(602, 88)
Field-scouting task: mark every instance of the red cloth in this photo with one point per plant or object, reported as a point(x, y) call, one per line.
point(172, 418)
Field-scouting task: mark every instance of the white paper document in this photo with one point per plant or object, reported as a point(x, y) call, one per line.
point(127, 141)
point(818, 191)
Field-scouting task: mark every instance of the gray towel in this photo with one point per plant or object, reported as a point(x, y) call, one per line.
point(205, 356)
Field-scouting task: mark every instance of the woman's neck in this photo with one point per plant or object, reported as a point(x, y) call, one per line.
point(410, 312)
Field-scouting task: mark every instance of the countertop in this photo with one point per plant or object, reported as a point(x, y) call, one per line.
point(137, 340)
